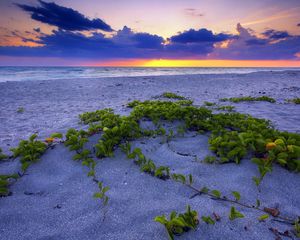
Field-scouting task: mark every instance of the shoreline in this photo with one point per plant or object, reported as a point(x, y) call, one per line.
point(269, 71)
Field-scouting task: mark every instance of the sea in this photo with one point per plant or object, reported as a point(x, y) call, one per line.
point(8, 74)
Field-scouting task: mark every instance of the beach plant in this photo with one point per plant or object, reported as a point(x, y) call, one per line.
point(293, 100)
point(263, 217)
point(185, 102)
point(172, 96)
point(234, 214)
point(75, 139)
point(177, 224)
point(208, 220)
point(126, 148)
point(96, 116)
point(5, 183)
point(57, 135)
point(162, 172)
point(102, 193)
point(2, 156)
point(249, 99)
point(225, 108)
point(20, 110)
point(297, 228)
point(29, 151)
point(209, 104)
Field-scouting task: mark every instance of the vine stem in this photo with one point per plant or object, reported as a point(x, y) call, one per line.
point(245, 205)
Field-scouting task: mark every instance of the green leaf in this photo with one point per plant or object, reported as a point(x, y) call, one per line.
point(105, 189)
point(56, 135)
point(235, 214)
point(216, 193)
point(161, 219)
point(204, 190)
point(98, 195)
point(257, 203)
point(237, 195)
point(263, 217)
point(190, 179)
point(256, 181)
point(208, 220)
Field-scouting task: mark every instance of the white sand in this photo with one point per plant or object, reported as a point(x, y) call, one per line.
point(135, 197)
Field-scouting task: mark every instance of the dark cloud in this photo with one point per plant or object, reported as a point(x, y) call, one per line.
point(125, 43)
point(201, 35)
point(256, 41)
point(63, 17)
point(38, 30)
point(298, 24)
point(250, 47)
point(276, 35)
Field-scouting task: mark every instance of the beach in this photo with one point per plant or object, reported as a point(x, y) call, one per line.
point(61, 204)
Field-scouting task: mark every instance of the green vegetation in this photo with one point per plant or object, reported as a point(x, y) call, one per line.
point(146, 165)
point(297, 228)
point(102, 193)
point(57, 135)
point(294, 100)
point(233, 135)
point(249, 99)
point(2, 156)
point(225, 108)
point(172, 96)
point(21, 110)
point(209, 104)
point(29, 151)
point(234, 214)
point(75, 140)
point(177, 224)
point(4, 184)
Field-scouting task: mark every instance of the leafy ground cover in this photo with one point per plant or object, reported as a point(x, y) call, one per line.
point(233, 136)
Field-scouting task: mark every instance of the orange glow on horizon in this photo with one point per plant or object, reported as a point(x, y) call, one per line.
point(199, 63)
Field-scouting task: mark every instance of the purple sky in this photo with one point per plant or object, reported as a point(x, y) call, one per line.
point(99, 31)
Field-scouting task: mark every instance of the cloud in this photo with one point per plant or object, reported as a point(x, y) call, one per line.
point(256, 41)
point(127, 44)
point(250, 47)
point(276, 35)
point(201, 35)
point(193, 12)
point(63, 17)
point(298, 24)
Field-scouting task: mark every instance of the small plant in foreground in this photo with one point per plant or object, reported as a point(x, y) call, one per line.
point(56, 135)
point(21, 110)
point(297, 228)
point(102, 193)
point(4, 184)
point(177, 224)
point(2, 156)
point(294, 100)
point(234, 214)
point(208, 220)
point(75, 140)
point(29, 150)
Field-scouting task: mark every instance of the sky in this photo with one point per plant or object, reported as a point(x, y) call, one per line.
point(257, 33)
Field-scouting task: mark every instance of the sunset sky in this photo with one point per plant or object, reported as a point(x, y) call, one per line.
point(150, 33)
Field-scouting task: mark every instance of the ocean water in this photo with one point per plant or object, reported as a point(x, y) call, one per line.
point(8, 74)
